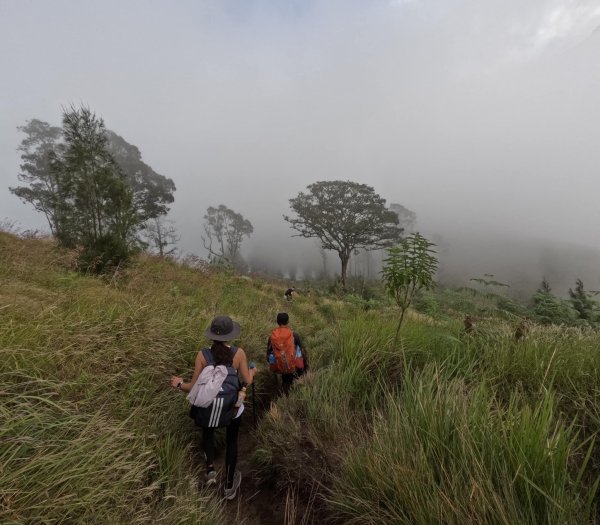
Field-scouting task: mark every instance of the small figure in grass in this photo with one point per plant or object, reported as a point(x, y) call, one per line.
point(289, 293)
point(522, 329)
point(469, 324)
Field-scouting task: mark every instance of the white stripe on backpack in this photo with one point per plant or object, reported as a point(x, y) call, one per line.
point(216, 412)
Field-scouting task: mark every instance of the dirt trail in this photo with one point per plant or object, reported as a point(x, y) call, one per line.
point(256, 503)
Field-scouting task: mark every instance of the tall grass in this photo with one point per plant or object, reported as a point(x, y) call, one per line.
point(444, 429)
point(74, 461)
point(443, 453)
point(90, 431)
point(435, 428)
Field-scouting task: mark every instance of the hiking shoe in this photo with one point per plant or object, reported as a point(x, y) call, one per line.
point(210, 478)
point(231, 492)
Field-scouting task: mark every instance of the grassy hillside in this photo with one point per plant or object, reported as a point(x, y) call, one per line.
point(442, 428)
point(90, 431)
point(433, 428)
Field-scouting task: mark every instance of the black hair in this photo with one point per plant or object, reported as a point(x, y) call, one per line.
point(283, 319)
point(221, 353)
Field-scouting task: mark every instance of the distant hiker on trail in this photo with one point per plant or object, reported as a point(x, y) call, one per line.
point(522, 329)
point(469, 324)
point(217, 397)
point(288, 295)
point(285, 353)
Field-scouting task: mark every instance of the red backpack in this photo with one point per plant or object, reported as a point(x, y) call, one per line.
point(284, 351)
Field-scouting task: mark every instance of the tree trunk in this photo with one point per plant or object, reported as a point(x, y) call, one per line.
point(344, 258)
point(399, 324)
point(160, 240)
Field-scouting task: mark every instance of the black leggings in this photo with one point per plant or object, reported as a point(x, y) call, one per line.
point(288, 379)
point(231, 437)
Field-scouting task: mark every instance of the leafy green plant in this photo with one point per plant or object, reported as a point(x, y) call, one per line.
point(408, 268)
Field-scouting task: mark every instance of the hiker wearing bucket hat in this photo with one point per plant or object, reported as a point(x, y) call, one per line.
point(221, 355)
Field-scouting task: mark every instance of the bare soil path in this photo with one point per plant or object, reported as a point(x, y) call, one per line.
point(257, 503)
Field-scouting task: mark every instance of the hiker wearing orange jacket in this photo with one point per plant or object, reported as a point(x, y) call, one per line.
point(286, 354)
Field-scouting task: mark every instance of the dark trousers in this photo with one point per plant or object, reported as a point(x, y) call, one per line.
point(288, 379)
point(231, 439)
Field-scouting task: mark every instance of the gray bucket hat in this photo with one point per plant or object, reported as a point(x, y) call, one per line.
point(223, 328)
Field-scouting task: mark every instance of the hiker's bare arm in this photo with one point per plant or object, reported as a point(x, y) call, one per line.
point(198, 367)
point(241, 366)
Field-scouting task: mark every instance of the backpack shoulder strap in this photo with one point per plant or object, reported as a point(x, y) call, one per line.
point(234, 350)
point(208, 357)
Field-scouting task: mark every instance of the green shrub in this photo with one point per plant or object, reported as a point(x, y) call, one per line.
point(426, 303)
point(104, 253)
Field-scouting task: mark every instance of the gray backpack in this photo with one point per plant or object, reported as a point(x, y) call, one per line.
point(221, 411)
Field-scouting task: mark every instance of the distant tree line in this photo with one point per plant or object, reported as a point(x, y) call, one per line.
point(97, 194)
point(579, 308)
point(345, 217)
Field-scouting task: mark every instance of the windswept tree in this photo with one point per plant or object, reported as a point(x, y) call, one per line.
point(152, 192)
point(550, 309)
point(583, 304)
point(100, 215)
point(44, 187)
point(407, 219)
point(88, 198)
point(224, 231)
point(344, 216)
point(51, 176)
point(162, 235)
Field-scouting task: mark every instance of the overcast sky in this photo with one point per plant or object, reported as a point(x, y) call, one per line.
point(475, 114)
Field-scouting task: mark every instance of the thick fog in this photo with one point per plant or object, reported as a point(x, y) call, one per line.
point(482, 117)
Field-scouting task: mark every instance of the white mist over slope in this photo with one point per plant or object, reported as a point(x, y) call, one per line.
point(483, 117)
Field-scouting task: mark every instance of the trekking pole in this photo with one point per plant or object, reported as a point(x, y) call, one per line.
point(251, 365)
point(254, 405)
